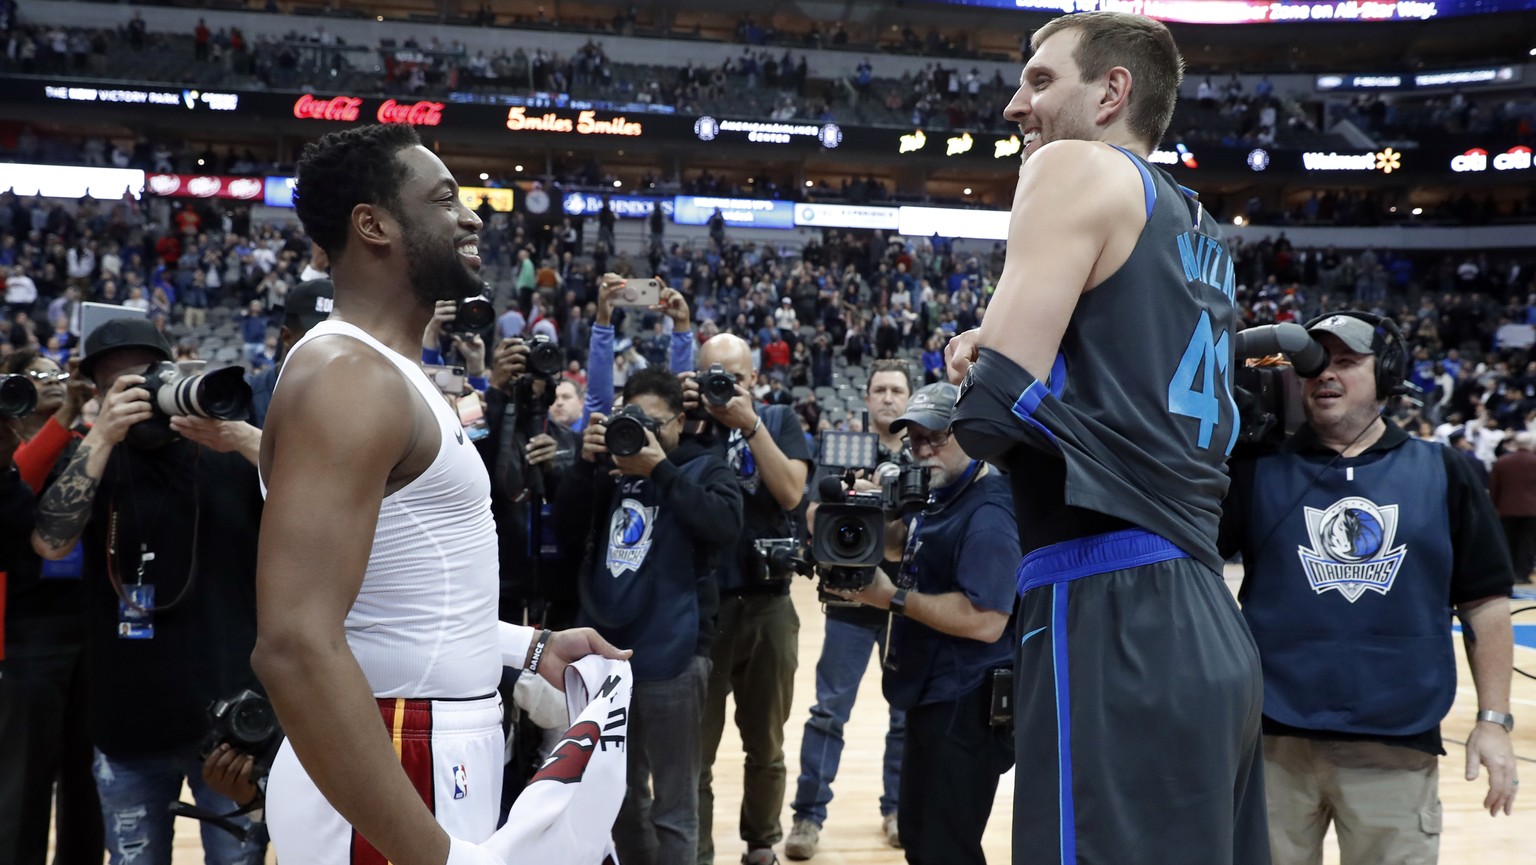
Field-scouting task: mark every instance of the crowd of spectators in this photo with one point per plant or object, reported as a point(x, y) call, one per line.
point(851, 294)
point(1504, 116)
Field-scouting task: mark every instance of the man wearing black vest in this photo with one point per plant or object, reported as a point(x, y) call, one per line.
point(1358, 543)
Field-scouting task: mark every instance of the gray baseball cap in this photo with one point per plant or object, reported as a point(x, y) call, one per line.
point(1355, 333)
point(932, 407)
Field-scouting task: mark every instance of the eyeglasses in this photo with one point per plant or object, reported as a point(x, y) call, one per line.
point(933, 442)
point(40, 375)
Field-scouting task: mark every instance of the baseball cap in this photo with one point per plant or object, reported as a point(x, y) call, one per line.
point(1359, 335)
point(310, 301)
point(932, 407)
point(122, 333)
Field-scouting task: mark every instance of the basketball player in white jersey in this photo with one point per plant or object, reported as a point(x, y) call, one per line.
point(377, 577)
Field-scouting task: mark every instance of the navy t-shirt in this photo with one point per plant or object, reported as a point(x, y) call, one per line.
point(970, 545)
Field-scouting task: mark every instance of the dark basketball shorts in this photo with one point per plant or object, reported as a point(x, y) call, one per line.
point(1137, 713)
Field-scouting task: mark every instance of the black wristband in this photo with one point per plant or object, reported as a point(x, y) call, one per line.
point(537, 653)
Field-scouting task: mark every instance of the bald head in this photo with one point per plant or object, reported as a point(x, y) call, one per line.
point(733, 354)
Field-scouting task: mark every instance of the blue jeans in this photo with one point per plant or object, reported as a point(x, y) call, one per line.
point(844, 658)
point(136, 795)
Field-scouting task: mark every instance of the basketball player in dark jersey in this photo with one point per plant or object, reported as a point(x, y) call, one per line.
point(1101, 381)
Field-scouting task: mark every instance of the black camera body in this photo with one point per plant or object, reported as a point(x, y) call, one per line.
point(717, 386)
point(472, 315)
point(1269, 408)
point(773, 557)
point(624, 435)
point(545, 358)
point(18, 396)
point(175, 392)
point(247, 723)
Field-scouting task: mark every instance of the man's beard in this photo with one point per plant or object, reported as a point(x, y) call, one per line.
point(437, 271)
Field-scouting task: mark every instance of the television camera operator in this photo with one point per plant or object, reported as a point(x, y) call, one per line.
point(1358, 545)
point(756, 639)
point(659, 509)
point(950, 660)
point(163, 494)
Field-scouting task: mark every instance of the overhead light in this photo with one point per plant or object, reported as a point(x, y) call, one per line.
point(1237, 220)
point(484, 176)
point(808, 184)
point(199, 162)
point(617, 184)
point(517, 168)
point(379, 18)
point(1533, 52)
point(967, 190)
point(1392, 209)
point(1418, 211)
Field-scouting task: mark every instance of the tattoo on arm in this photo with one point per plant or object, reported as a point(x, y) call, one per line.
point(64, 509)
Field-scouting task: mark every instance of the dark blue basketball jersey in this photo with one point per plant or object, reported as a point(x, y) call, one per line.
point(1136, 419)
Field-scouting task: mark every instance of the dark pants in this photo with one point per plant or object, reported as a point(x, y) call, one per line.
point(755, 655)
point(949, 773)
point(659, 821)
point(44, 741)
point(1521, 534)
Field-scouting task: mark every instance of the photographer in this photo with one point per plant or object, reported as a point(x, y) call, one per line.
point(656, 526)
point(309, 303)
point(43, 735)
point(756, 644)
point(167, 510)
point(850, 636)
point(528, 454)
point(1358, 543)
point(951, 651)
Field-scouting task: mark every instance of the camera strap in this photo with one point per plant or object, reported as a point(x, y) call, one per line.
point(223, 821)
point(114, 570)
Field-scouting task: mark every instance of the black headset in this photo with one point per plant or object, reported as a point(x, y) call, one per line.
point(1386, 344)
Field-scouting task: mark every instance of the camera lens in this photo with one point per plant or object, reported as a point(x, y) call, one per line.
point(252, 721)
point(474, 314)
point(545, 358)
point(222, 395)
point(850, 539)
point(624, 437)
point(18, 396)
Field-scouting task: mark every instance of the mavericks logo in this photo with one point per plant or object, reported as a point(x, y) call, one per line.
point(629, 536)
point(1352, 548)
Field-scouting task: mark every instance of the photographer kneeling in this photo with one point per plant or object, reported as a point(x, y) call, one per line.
point(656, 524)
point(950, 657)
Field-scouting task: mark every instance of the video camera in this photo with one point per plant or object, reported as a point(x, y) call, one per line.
point(1269, 402)
point(848, 541)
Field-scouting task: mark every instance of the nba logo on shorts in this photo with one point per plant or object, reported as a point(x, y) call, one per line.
point(460, 782)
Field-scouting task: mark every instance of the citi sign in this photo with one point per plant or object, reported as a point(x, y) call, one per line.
point(1517, 158)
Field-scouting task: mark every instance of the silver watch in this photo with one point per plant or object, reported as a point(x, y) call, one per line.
point(1503, 719)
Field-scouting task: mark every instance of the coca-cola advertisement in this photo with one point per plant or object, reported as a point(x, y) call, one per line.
point(204, 186)
point(419, 114)
point(343, 108)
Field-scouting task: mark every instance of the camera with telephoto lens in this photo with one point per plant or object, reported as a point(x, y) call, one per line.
point(472, 315)
point(179, 391)
point(717, 385)
point(624, 435)
point(18, 396)
point(246, 723)
point(848, 540)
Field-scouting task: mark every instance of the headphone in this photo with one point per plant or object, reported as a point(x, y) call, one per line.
point(1386, 344)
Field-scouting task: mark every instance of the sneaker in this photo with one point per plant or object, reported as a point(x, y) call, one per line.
point(892, 833)
point(760, 856)
point(801, 843)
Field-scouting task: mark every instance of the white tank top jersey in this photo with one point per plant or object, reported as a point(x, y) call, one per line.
point(424, 623)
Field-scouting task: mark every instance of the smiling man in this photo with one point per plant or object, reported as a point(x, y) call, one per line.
point(1099, 380)
point(377, 576)
point(1357, 543)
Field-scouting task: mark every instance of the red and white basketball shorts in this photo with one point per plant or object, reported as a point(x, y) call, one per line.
point(452, 751)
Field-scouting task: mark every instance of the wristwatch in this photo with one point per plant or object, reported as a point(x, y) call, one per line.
point(1503, 719)
point(898, 604)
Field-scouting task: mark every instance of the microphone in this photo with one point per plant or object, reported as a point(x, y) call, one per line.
point(830, 489)
point(1306, 354)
